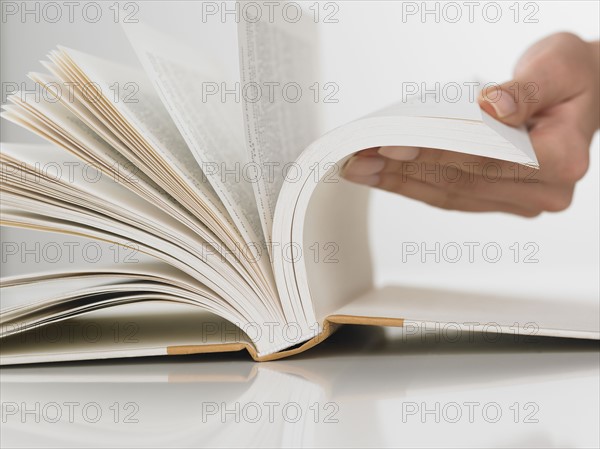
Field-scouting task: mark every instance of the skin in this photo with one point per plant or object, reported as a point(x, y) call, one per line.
point(555, 93)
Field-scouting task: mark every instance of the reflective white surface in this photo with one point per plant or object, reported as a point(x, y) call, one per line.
point(363, 387)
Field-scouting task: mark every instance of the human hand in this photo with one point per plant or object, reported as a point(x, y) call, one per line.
point(555, 93)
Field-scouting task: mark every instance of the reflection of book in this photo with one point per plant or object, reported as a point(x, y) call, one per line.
point(356, 370)
point(267, 408)
point(270, 239)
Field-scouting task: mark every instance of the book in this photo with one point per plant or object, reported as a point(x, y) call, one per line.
point(228, 199)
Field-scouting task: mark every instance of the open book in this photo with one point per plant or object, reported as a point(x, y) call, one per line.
point(244, 234)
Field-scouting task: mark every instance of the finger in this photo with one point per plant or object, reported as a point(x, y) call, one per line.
point(529, 195)
point(526, 194)
point(441, 198)
point(544, 77)
point(474, 165)
point(362, 164)
point(435, 165)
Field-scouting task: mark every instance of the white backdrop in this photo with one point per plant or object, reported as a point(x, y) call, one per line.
point(369, 53)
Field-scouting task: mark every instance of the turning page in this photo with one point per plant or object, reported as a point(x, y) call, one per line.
point(310, 206)
point(279, 68)
point(190, 85)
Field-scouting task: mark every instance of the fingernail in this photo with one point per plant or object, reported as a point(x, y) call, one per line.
point(364, 166)
point(371, 180)
point(400, 153)
point(503, 102)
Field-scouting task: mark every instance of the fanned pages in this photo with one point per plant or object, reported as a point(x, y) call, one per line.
point(215, 213)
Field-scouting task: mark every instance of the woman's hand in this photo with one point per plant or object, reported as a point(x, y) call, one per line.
point(555, 93)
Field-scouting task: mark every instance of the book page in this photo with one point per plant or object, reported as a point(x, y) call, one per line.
point(143, 112)
point(278, 64)
point(147, 329)
point(155, 143)
point(79, 137)
point(125, 216)
point(212, 128)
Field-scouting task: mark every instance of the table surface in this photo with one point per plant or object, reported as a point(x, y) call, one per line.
point(364, 386)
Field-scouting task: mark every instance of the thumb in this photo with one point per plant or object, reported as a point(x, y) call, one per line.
point(516, 101)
